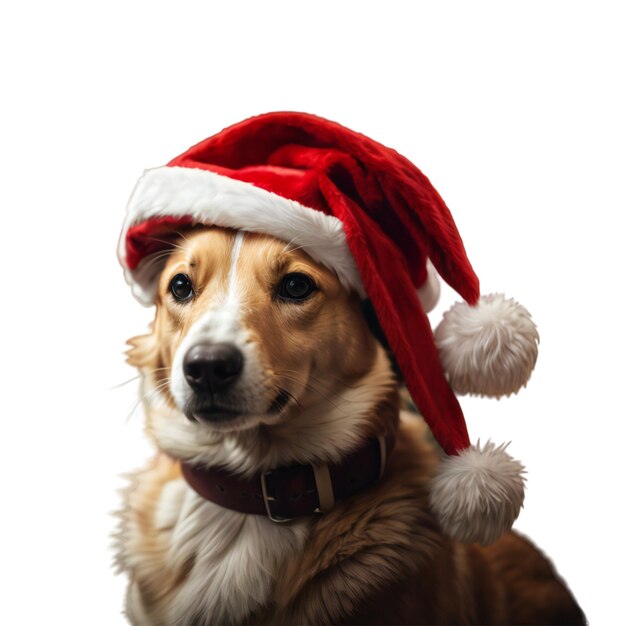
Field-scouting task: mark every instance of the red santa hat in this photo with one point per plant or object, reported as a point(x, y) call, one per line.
point(369, 214)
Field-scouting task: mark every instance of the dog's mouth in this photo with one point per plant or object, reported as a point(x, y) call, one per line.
point(214, 413)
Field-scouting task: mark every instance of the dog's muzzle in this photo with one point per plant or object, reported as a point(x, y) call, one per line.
point(210, 370)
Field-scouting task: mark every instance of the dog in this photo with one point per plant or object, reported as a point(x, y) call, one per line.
point(259, 359)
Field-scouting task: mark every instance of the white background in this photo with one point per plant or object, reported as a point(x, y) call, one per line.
point(514, 110)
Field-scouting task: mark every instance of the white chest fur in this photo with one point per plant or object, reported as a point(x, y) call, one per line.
point(235, 557)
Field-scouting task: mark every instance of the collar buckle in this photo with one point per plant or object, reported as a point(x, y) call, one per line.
point(267, 500)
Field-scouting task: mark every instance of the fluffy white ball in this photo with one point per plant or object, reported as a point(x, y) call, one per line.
point(489, 349)
point(477, 495)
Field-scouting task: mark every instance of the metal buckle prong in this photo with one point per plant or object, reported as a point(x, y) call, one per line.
point(267, 499)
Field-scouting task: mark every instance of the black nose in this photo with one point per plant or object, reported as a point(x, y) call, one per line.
point(211, 367)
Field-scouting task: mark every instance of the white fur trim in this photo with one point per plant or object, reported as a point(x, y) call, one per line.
point(477, 495)
point(489, 349)
point(430, 291)
point(210, 198)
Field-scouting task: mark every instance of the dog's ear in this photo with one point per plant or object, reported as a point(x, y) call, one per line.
point(143, 349)
point(379, 335)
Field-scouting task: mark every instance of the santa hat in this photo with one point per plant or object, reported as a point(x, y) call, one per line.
point(370, 215)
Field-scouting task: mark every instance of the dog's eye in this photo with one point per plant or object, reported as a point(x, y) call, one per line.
point(181, 287)
point(296, 286)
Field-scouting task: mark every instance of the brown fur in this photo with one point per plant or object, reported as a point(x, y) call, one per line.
point(377, 558)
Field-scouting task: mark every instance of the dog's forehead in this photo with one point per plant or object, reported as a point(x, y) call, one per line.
point(212, 249)
point(206, 244)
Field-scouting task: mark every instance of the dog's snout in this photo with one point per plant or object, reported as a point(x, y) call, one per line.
point(212, 367)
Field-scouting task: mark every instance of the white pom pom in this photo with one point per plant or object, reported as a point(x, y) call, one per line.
point(477, 495)
point(489, 349)
point(430, 291)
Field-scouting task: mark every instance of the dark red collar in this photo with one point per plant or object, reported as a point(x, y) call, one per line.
point(295, 490)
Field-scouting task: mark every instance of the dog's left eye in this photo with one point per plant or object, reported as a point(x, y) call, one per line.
point(181, 287)
point(296, 286)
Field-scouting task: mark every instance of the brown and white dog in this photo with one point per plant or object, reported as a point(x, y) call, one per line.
point(259, 358)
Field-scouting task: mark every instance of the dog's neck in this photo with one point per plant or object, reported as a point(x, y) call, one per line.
point(285, 493)
point(323, 433)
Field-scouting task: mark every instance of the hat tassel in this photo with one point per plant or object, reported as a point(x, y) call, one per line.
point(488, 349)
point(477, 495)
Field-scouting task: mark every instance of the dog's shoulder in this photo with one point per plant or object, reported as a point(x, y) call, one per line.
point(190, 560)
point(139, 515)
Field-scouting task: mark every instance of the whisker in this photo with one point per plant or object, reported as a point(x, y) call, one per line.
point(322, 383)
point(288, 247)
point(157, 369)
point(322, 393)
point(156, 256)
point(158, 387)
point(126, 382)
point(180, 234)
point(147, 396)
point(173, 244)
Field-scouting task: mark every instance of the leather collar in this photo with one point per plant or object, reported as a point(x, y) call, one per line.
point(293, 491)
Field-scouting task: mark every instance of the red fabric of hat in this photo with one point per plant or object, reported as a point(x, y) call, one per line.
point(393, 221)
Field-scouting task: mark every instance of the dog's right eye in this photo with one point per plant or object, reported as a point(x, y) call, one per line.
point(181, 287)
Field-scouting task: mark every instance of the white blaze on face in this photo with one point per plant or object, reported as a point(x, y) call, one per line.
point(222, 323)
point(232, 296)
